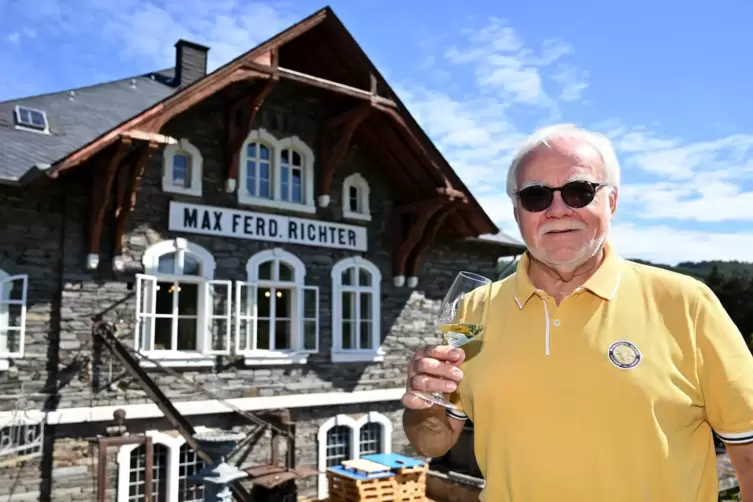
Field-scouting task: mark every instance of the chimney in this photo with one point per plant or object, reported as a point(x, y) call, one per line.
point(190, 62)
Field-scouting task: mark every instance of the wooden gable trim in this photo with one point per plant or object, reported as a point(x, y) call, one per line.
point(152, 119)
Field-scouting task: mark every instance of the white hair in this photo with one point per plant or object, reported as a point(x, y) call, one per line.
point(542, 136)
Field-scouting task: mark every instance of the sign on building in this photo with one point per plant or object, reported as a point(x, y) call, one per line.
point(228, 222)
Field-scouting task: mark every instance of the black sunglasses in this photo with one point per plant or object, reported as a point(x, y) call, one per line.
point(576, 194)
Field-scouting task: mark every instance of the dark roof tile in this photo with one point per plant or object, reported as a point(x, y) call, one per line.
point(73, 123)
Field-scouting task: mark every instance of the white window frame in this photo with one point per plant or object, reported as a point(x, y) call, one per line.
point(146, 297)
point(5, 301)
point(297, 354)
point(196, 168)
point(173, 445)
point(357, 181)
point(276, 147)
point(376, 353)
point(355, 436)
point(23, 127)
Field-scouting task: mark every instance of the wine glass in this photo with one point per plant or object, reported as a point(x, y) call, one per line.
point(462, 317)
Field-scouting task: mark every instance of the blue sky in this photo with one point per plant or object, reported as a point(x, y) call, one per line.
point(669, 82)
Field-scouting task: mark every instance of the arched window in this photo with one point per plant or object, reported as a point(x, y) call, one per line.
point(13, 291)
point(344, 438)
point(182, 313)
point(182, 166)
point(355, 198)
point(277, 316)
point(173, 464)
point(356, 310)
point(276, 173)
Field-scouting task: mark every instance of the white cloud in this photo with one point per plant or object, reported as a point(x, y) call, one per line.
point(146, 30)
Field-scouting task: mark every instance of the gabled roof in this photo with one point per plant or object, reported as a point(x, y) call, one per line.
point(75, 118)
point(311, 42)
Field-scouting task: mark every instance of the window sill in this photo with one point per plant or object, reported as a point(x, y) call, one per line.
point(356, 216)
point(177, 360)
point(262, 358)
point(344, 356)
point(168, 188)
point(277, 204)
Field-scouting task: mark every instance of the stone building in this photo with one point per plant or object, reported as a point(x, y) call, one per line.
point(260, 248)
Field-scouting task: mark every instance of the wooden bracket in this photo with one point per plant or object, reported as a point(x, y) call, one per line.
point(427, 239)
point(128, 184)
point(337, 134)
point(239, 126)
point(410, 222)
point(103, 177)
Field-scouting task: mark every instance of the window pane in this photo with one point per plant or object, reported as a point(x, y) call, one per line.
point(285, 156)
point(370, 441)
point(364, 277)
point(159, 473)
point(189, 464)
point(264, 303)
point(348, 304)
point(365, 335)
point(264, 152)
point(348, 329)
point(365, 304)
point(251, 177)
point(188, 298)
point(347, 277)
point(354, 200)
point(297, 194)
point(286, 272)
point(166, 264)
point(164, 298)
point(191, 265)
point(309, 335)
point(283, 304)
point(163, 333)
point(180, 170)
point(282, 335)
point(251, 150)
point(297, 161)
point(262, 334)
point(187, 334)
point(265, 270)
point(284, 188)
point(309, 304)
point(264, 179)
point(338, 445)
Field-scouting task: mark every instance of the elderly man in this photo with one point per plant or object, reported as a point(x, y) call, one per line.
point(596, 378)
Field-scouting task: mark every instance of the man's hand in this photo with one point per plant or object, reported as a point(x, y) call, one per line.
point(432, 369)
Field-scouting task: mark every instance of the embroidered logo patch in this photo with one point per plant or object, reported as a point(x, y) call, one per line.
point(624, 355)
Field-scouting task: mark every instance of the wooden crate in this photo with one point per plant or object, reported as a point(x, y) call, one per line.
point(410, 475)
point(361, 481)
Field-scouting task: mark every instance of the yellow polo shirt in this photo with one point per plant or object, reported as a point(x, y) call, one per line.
point(610, 396)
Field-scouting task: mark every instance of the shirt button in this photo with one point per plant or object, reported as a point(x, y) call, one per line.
point(556, 322)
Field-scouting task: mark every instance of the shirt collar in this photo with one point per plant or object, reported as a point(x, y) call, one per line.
point(603, 283)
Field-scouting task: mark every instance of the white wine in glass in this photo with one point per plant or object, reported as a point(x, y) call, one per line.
point(462, 317)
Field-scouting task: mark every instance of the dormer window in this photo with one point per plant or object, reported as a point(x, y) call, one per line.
point(182, 169)
point(355, 197)
point(30, 118)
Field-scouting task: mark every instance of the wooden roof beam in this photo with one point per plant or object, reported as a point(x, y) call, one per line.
point(323, 83)
point(237, 134)
point(337, 134)
point(411, 225)
point(129, 184)
point(103, 177)
point(428, 237)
